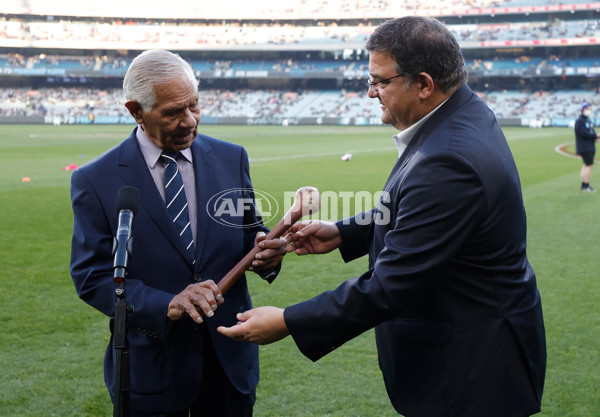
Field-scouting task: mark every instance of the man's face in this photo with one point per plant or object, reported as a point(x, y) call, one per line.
point(399, 104)
point(172, 124)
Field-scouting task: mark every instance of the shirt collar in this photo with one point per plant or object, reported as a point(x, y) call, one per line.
point(151, 152)
point(403, 138)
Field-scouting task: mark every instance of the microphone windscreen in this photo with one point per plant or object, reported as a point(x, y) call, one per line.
point(128, 199)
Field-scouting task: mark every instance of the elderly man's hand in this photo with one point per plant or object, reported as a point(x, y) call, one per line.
point(196, 300)
point(271, 253)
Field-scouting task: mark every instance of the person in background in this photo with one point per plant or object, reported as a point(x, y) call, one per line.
point(449, 290)
point(180, 366)
point(585, 145)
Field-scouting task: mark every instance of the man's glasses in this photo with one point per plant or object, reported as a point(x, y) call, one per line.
point(372, 84)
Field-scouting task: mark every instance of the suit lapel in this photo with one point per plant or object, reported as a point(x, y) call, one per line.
point(136, 173)
point(205, 189)
point(463, 94)
point(446, 110)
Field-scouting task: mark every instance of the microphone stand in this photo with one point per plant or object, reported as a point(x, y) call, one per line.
point(121, 349)
point(120, 345)
point(128, 201)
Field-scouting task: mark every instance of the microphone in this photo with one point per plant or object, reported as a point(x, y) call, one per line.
point(128, 202)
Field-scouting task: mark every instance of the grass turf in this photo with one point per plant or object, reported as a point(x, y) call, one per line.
point(52, 343)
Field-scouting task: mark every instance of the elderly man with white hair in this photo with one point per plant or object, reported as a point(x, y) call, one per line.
point(179, 364)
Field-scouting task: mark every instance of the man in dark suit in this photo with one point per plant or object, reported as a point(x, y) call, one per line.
point(179, 363)
point(449, 290)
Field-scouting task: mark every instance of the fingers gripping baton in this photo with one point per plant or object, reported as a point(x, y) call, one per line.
point(306, 202)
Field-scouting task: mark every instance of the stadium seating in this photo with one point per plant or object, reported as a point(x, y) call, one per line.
point(275, 106)
point(300, 61)
point(199, 36)
point(267, 9)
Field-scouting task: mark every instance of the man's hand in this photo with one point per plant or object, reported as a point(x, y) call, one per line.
point(271, 254)
point(313, 237)
point(196, 300)
point(262, 325)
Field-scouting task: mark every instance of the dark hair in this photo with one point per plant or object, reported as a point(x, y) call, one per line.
point(421, 44)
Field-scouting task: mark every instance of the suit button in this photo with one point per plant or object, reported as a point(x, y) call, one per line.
point(197, 278)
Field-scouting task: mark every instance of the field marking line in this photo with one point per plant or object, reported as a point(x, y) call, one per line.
point(75, 135)
point(535, 135)
point(311, 155)
point(562, 150)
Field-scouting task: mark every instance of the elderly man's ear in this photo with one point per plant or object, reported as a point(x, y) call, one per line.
point(135, 109)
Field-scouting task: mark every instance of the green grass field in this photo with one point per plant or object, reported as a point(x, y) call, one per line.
point(52, 343)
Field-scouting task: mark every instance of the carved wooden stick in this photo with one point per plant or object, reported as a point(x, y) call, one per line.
point(306, 202)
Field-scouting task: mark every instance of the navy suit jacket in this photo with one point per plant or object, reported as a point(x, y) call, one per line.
point(449, 289)
point(166, 357)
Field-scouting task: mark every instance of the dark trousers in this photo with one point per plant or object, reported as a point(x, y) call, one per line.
point(217, 398)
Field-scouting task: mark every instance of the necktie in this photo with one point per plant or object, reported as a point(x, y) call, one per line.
point(177, 202)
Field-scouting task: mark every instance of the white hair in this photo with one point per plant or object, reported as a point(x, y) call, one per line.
point(151, 68)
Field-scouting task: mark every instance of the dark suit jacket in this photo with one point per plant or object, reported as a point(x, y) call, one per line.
point(449, 289)
point(166, 358)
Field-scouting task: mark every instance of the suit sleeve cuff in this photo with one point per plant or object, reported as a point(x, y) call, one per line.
point(269, 275)
point(355, 239)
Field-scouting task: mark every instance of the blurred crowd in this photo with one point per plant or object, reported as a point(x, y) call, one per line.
point(68, 103)
point(62, 102)
point(115, 66)
point(264, 9)
point(179, 35)
point(296, 25)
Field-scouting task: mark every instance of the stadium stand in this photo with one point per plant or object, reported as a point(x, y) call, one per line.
point(290, 62)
